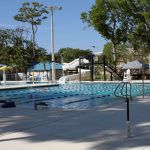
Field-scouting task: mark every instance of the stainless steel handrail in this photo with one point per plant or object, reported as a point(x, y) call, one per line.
point(121, 90)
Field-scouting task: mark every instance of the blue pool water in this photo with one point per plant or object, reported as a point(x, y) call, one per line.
point(69, 96)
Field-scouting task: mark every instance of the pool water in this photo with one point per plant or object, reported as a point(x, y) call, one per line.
point(69, 96)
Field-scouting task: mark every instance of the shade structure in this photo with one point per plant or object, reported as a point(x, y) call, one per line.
point(135, 65)
point(45, 66)
point(4, 68)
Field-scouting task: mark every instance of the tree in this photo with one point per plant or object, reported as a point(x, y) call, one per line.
point(69, 54)
point(33, 14)
point(121, 50)
point(106, 18)
point(41, 54)
point(12, 47)
point(15, 49)
point(140, 19)
point(138, 14)
point(140, 24)
point(107, 51)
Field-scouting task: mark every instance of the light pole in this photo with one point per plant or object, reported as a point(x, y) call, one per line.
point(52, 9)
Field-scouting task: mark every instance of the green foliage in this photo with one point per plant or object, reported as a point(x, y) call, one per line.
point(122, 54)
point(138, 12)
point(106, 19)
point(107, 51)
point(121, 21)
point(141, 19)
point(32, 13)
point(16, 50)
point(69, 54)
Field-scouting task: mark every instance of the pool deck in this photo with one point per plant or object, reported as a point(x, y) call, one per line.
point(102, 128)
point(17, 86)
point(6, 87)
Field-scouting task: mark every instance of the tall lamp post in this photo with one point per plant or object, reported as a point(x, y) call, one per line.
point(52, 9)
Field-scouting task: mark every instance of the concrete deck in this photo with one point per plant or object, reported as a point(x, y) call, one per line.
point(102, 128)
point(18, 86)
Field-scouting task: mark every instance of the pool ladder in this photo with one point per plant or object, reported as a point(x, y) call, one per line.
point(126, 86)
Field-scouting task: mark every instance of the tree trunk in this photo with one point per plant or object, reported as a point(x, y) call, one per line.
point(114, 53)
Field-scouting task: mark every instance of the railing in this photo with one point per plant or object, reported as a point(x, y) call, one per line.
point(126, 96)
point(74, 77)
point(113, 69)
point(121, 93)
point(103, 61)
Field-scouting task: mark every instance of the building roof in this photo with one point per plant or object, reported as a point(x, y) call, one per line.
point(135, 65)
point(98, 53)
point(44, 66)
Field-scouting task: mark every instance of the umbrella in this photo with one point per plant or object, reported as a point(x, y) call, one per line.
point(4, 68)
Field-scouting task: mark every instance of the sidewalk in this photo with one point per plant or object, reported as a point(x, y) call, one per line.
point(103, 128)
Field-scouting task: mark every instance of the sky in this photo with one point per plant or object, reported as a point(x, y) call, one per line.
point(69, 30)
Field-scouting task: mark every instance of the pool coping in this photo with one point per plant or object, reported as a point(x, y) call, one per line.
point(10, 87)
point(23, 86)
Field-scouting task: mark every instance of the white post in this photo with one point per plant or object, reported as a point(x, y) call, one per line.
point(52, 8)
point(4, 77)
point(52, 47)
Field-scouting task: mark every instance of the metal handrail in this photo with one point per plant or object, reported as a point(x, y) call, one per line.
point(121, 90)
point(127, 101)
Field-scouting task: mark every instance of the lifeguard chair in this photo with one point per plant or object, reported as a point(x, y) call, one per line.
point(127, 77)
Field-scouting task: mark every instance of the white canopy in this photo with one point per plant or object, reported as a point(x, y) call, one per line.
point(135, 65)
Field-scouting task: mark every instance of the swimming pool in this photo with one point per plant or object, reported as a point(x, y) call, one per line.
point(69, 96)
